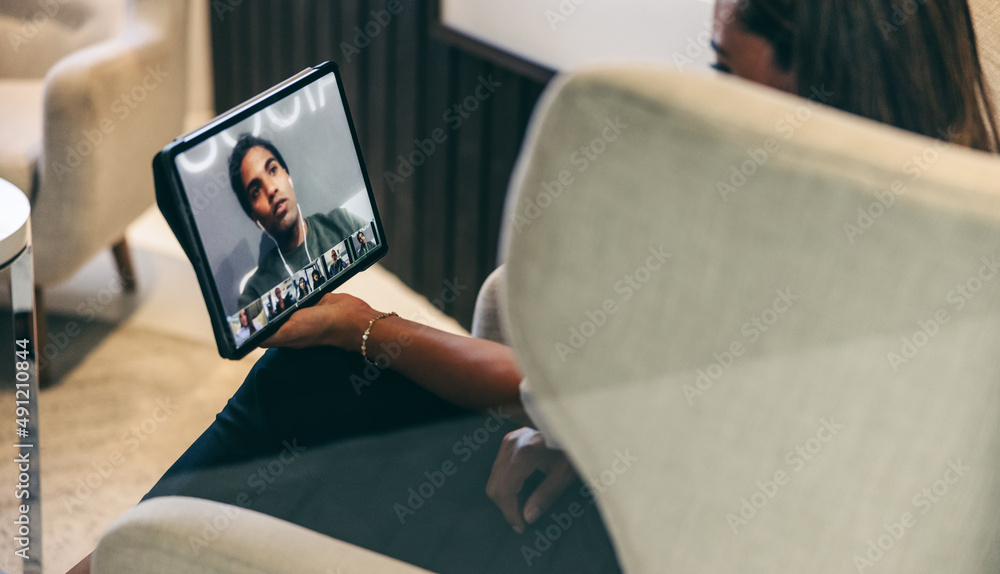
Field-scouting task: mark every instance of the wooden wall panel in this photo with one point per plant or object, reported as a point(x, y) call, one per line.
point(443, 220)
point(470, 138)
point(437, 179)
point(407, 127)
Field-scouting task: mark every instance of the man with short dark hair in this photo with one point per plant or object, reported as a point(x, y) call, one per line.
point(364, 246)
point(263, 185)
point(338, 264)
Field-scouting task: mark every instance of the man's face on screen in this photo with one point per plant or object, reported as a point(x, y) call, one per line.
point(269, 189)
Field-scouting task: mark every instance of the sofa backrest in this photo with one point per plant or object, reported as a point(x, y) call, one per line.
point(38, 33)
point(765, 331)
point(127, 94)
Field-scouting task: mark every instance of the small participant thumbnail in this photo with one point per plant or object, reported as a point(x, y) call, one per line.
point(248, 321)
point(336, 260)
point(279, 299)
point(302, 287)
point(315, 275)
point(364, 241)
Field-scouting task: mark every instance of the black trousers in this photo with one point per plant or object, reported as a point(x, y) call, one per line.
point(367, 456)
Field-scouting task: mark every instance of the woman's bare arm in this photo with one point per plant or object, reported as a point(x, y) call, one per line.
point(469, 372)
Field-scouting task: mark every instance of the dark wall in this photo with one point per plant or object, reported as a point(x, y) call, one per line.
point(403, 86)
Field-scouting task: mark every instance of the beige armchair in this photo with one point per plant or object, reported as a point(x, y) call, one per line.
point(89, 91)
point(986, 14)
point(802, 364)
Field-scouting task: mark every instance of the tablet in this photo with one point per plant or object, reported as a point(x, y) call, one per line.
point(272, 204)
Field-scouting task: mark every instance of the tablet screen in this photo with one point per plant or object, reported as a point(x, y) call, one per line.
point(280, 203)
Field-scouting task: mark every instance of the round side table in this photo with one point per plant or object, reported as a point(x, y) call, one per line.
point(20, 423)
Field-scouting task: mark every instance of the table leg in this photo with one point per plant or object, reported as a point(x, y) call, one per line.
point(28, 517)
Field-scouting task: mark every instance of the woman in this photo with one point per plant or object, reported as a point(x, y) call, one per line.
point(317, 278)
point(303, 287)
point(918, 72)
point(248, 327)
point(879, 61)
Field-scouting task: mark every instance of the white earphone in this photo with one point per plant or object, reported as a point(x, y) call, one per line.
point(302, 226)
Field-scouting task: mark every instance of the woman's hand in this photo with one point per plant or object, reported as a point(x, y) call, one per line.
point(522, 453)
point(338, 320)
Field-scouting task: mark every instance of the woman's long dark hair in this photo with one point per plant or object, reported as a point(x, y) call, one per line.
point(913, 64)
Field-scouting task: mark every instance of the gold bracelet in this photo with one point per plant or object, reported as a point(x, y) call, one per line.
point(368, 331)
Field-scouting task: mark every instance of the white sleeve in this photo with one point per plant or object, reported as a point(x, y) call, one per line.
point(531, 408)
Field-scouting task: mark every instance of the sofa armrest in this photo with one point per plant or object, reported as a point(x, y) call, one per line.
point(486, 323)
point(181, 534)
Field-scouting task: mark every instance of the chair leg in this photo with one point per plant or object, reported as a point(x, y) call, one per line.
point(123, 259)
point(41, 332)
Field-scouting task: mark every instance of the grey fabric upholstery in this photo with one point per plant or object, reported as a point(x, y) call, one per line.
point(157, 537)
point(799, 361)
point(486, 322)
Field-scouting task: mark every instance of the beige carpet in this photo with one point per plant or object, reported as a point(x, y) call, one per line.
point(113, 426)
point(149, 382)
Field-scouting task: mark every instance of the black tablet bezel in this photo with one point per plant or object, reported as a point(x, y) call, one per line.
point(176, 208)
